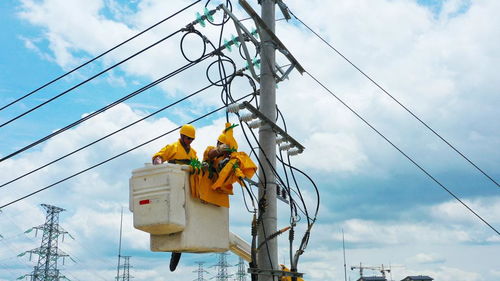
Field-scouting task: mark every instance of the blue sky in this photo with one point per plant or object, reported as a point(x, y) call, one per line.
point(439, 58)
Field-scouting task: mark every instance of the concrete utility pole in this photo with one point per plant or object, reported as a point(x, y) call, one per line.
point(268, 256)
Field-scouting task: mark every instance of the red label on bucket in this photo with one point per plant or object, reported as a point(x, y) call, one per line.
point(144, 202)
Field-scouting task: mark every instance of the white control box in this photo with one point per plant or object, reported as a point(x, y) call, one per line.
point(157, 198)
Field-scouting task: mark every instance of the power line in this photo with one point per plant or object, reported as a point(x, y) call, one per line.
point(88, 79)
point(108, 135)
point(99, 111)
point(99, 56)
point(116, 156)
point(400, 151)
point(398, 102)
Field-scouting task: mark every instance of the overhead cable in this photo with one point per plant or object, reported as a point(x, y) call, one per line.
point(88, 79)
point(103, 109)
point(107, 136)
point(399, 103)
point(99, 56)
point(114, 157)
point(404, 154)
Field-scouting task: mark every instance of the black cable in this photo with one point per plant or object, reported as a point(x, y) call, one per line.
point(106, 136)
point(282, 118)
point(247, 188)
point(92, 77)
point(99, 56)
point(203, 38)
point(103, 109)
point(278, 177)
point(312, 182)
point(231, 80)
point(229, 6)
point(291, 204)
point(404, 154)
point(398, 102)
point(219, 61)
point(112, 158)
point(299, 193)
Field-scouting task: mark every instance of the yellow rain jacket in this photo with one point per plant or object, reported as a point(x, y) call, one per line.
point(175, 153)
point(239, 166)
point(214, 186)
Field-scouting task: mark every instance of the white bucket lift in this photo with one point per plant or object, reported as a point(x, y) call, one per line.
point(162, 205)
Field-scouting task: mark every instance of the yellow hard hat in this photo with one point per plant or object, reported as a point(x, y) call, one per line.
point(222, 138)
point(227, 136)
point(188, 130)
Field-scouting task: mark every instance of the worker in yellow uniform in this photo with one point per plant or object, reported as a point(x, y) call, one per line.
point(217, 156)
point(179, 152)
point(222, 166)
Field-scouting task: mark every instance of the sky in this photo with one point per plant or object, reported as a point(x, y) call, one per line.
point(437, 58)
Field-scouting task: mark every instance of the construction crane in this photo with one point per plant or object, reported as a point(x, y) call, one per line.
point(381, 269)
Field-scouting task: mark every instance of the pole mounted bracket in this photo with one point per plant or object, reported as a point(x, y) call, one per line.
point(262, 27)
point(287, 138)
point(244, 36)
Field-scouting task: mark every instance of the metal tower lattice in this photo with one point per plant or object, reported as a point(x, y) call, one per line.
point(200, 271)
point(241, 274)
point(48, 252)
point(125, 275)
point(222, 266)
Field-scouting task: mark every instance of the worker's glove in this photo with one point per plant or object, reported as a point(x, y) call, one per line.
point(223, 163)
point(157, 160)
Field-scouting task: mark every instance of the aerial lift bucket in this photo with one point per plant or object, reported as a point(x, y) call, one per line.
point(162, 205)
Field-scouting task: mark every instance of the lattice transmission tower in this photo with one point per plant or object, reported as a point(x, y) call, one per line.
point(222, 266)
point(241, 274)
point(200, 271)
point(125, 273)
point(48, 252)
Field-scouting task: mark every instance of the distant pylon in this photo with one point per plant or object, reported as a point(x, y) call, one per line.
point(241, 274)
point(222, 266)
point(48, 253)
point(200, 271)
point(125, 275)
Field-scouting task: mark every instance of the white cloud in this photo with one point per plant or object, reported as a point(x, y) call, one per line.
point(344, 153)
point(453, 211)
point(428, 258)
